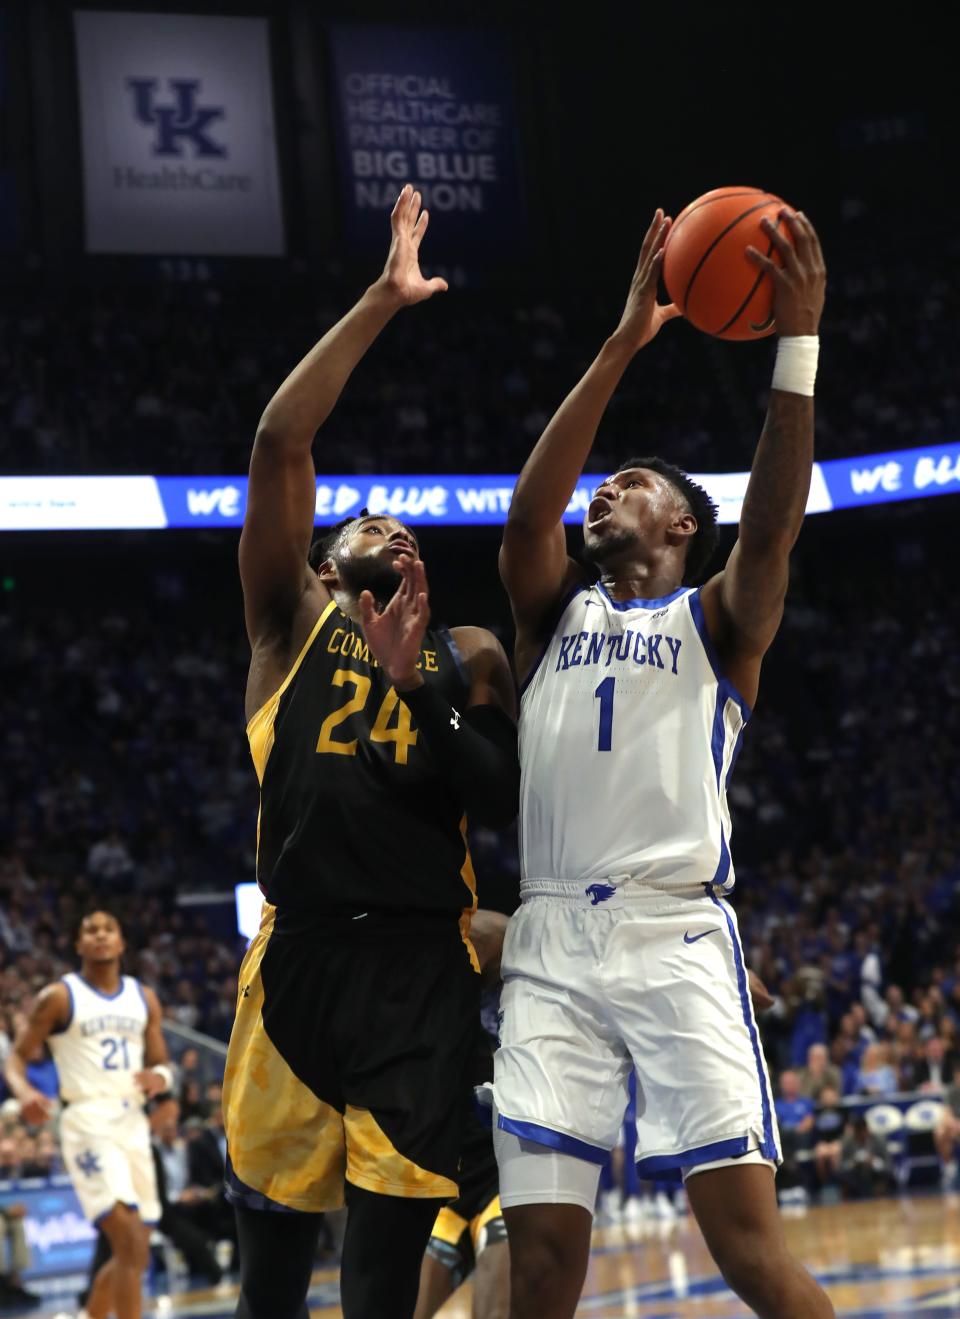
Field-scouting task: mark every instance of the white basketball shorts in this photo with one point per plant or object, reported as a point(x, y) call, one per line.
point(596, 985)
point(106, 1151)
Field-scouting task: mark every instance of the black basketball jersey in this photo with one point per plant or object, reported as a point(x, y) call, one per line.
point(355, 815)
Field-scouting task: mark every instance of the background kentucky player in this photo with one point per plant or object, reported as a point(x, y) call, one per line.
point(104, 1031)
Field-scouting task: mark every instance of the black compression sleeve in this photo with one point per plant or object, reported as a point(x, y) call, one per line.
point(476, 749)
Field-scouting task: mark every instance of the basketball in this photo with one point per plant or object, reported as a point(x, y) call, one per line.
point(706, 268)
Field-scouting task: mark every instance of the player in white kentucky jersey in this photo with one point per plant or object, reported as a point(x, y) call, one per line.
point(624, 953)
point(104, 1031)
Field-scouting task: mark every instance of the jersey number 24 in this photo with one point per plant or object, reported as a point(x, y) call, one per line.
point(401, 734)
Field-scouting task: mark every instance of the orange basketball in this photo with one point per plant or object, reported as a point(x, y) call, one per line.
point(706, 268)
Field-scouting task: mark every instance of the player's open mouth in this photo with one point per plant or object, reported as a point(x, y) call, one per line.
point(599, 510)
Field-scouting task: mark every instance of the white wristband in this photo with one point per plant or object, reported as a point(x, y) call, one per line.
point(165, 1073)
point(796, 365)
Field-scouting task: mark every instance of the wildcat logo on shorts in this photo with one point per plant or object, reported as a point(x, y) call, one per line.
point(183, 121)
point(598, 893)
point(89, 1163)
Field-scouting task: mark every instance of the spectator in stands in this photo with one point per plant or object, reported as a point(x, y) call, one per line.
point(828, 1125)
point(31, 1165)
point(947, 1133)
point(14, 1259)
point(189, 1069)
point(46, 1156)
point(876, 1075)
point(936, 1069)
point(865, 1164)
point(206, 1157)
point(867, 946)
point(845, 1054)
point(207, 1152)
point(183, 1205)
point(109, 860)
point(862, 1030)
point(191, 1102)
point(794, 1110)
point(819, 1074)
point(795, 1119)
point(897, 1008)
point(9, 1158)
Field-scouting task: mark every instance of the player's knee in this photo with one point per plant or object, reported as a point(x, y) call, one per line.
point(128, 1240)
point(753, 1267)
point(541, 1268)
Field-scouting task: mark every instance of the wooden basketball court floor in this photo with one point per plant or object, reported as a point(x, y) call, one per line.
point(877, 1259)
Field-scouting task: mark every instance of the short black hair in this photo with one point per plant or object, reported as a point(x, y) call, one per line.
point(326, 543)
point(323, 547)
point(704, 542)
point(92, 909)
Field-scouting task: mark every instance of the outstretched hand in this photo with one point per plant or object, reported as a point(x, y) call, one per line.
point(643, 315)
point(799, 284)
point(401, 275)
point(396, 634)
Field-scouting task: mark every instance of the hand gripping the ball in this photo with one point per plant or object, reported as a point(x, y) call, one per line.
point(799, 284)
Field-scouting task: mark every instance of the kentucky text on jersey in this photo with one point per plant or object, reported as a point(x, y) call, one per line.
point(115, 1025)
point(629, 730)
point(597, 648)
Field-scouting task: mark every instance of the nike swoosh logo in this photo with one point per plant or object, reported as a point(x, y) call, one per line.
point(688, 939)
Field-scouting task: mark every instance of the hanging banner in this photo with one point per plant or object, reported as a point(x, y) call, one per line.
point(179, 149)
point(435, 108)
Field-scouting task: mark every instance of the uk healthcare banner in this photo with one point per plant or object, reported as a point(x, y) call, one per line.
point(177, 127)
point(116, 503)
point(433, 107)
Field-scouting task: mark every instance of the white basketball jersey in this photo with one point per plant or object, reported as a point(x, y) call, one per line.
point(628, 734)
point(100, 1050)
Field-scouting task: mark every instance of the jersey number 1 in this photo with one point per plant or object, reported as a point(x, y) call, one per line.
point(604, 694)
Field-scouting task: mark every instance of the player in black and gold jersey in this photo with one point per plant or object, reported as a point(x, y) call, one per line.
point(374, 736)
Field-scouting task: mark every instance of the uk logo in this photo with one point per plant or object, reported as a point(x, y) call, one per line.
point(89, 1163)
point(180, 121)
point(598, 893)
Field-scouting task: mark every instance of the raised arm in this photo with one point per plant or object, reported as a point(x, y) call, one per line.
point(281, 498)
point(743, 604)
point(50, 1012)
point(534, 564)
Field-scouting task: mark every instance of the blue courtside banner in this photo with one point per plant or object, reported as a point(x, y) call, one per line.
point(433, 107)
point(116, 503)
point(901, 474)
point(59, 1237)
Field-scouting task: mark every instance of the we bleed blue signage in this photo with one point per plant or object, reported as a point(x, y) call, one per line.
point(431, 107)
point(103, 503)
